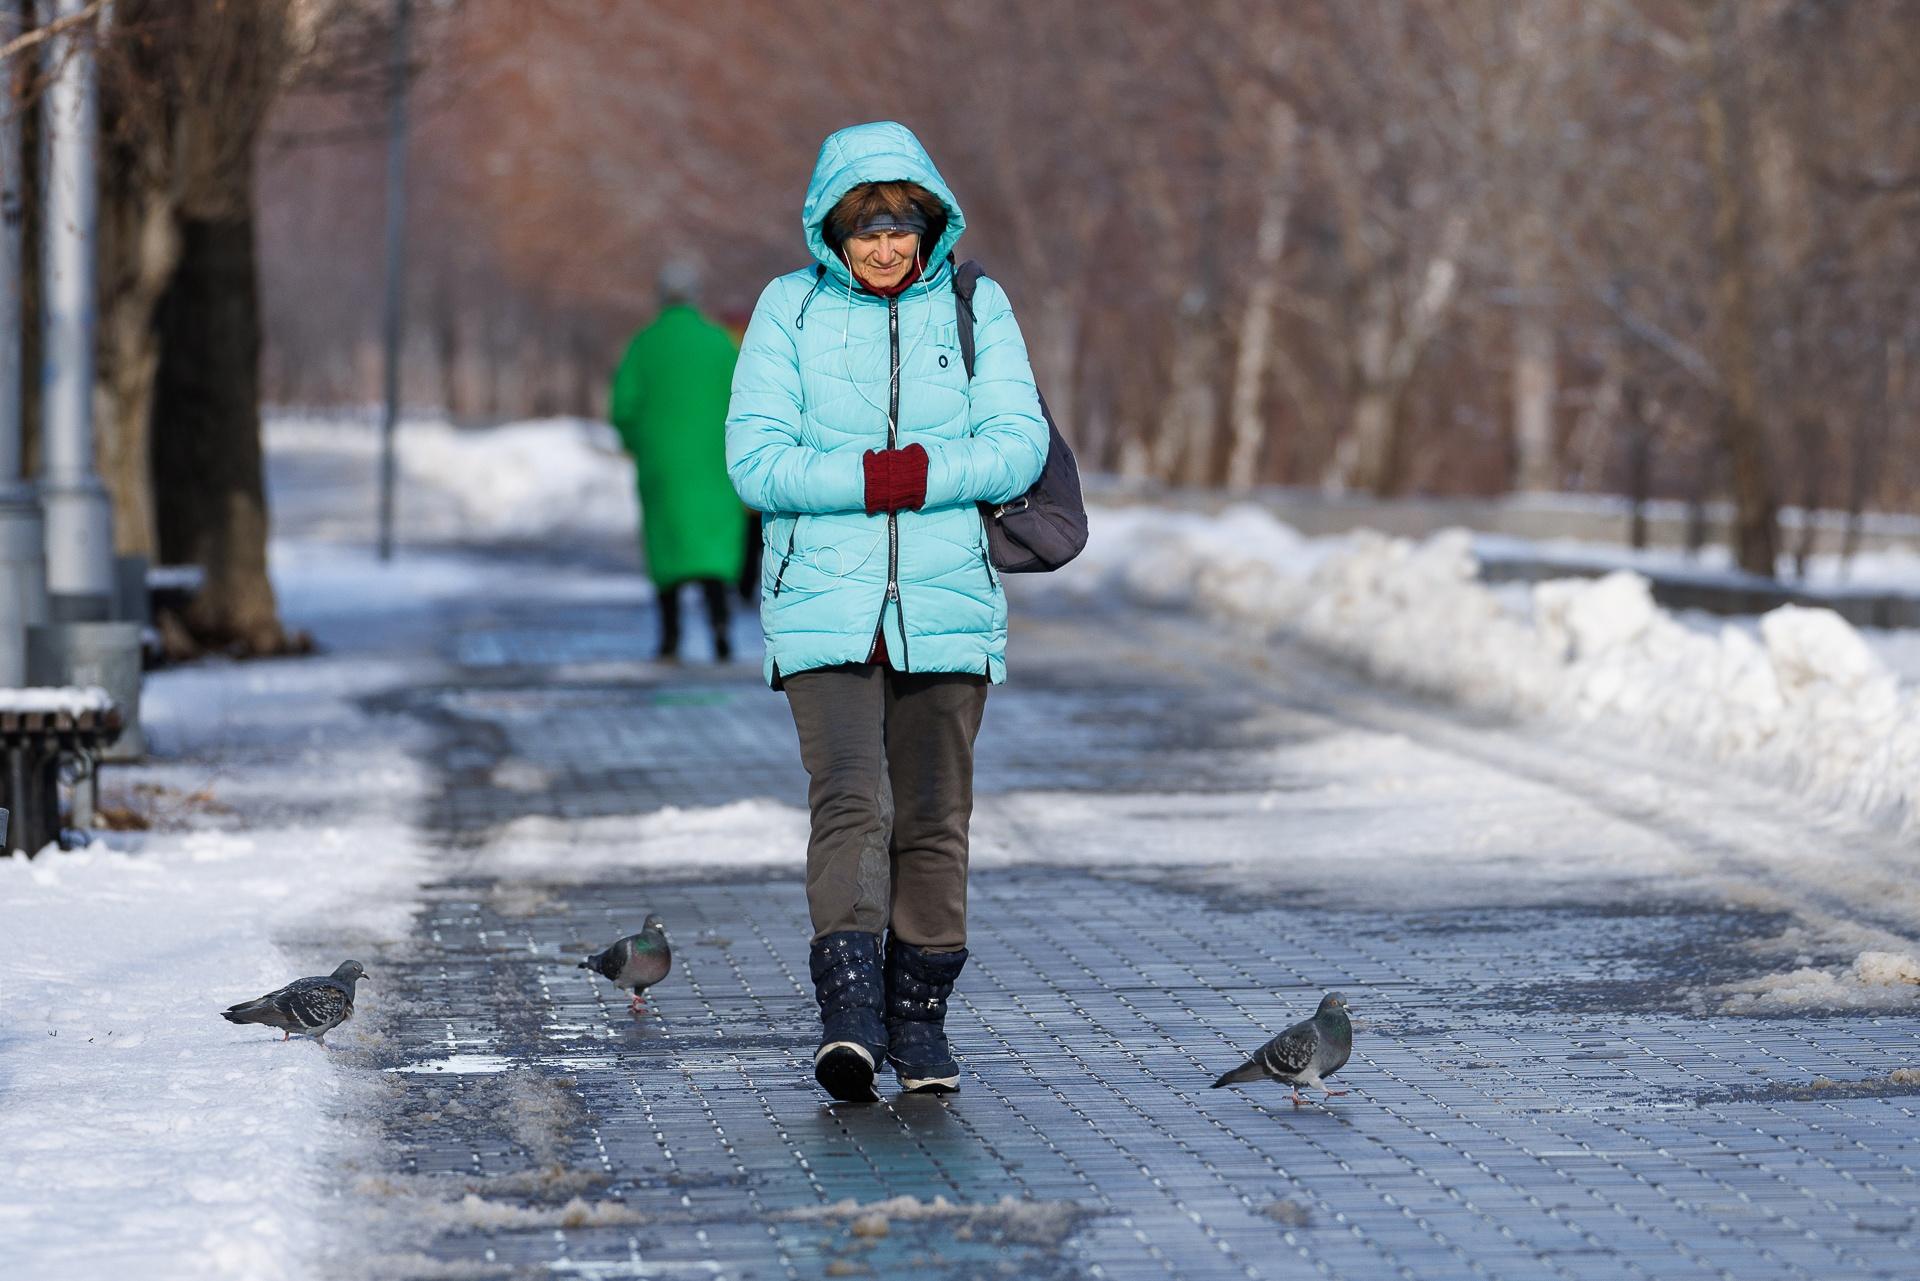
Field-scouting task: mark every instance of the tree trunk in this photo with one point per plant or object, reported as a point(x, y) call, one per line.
point(139, 248)
point(1536, 372)
point(446, 315)
point(1872, 431)
point(1697, 494)
point(206, 441)
point(1365, 460)
point(493, 357)
point(1183, 450)
point(1640, 435)
point(1054, 344)
point(1742, 432)
point(1389, 340)
point(1809, 436)
point(1256, 325)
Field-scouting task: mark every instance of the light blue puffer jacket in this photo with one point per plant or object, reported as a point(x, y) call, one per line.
point(810, 397)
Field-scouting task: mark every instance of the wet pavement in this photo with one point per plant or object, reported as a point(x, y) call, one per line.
point(1536, 1091)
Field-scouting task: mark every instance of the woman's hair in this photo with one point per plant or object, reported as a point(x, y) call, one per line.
point(873, 199)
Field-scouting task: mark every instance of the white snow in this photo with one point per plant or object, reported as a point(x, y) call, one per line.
point(1808, 704)
point(71, 699)
point(534, 480)
point(141, 1134)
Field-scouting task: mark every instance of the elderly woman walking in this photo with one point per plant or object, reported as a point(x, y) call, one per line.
point(855, 428)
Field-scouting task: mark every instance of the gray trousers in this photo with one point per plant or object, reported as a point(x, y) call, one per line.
point(890, 756)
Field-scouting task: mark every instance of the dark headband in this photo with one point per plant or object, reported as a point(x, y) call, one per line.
point(909, 221)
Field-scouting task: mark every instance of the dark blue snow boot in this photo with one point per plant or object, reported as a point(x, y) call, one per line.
point(918, 984)
point(853, 1036)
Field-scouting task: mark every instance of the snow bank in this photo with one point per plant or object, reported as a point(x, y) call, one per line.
point(528, 479)
point(1807, 703)
point(522, 480)
point(143, 1134)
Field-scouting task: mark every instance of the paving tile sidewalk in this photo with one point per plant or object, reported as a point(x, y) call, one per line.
point(1530, 1098)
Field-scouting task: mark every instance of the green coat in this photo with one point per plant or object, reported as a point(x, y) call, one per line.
point(670, 408)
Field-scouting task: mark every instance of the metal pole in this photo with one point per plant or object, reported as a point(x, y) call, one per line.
point(396, 267)
point(23, 547)
point(79, 517)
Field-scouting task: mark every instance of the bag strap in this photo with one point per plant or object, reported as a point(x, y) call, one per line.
point(965, 277)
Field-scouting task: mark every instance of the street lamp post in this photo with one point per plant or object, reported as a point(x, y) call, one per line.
point(78, 644)
point(79, 517)
point(23, 551)
point(396, 268)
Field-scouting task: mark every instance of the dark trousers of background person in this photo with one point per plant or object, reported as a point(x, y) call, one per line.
point(890, 759)
point(714, 592)
point(750, 564)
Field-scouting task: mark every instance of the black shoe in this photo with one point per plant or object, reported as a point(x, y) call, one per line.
point(853, 1036)
point(918, 984)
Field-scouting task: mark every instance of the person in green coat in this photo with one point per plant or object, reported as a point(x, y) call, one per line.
point(670, 407)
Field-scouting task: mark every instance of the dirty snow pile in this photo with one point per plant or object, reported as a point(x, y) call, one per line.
point(1806, 703)
point(1873, 981)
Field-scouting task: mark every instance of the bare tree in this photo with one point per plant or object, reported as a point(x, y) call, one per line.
point(1387, 244)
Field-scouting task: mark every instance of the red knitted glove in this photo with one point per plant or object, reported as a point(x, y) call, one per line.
point(896, 479)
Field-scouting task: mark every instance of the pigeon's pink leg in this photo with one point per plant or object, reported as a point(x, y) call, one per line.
point(1297, 1100)
point(636, 1005)
point(286, 1036)
point(1334, 1094)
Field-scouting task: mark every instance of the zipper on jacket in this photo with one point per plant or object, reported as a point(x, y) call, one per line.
point(986, 546)
point(786, 560)
point(893, 442)
point(819, 278)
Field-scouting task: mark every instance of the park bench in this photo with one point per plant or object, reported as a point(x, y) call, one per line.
point(42, 730)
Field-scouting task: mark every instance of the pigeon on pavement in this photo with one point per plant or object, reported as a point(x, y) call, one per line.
point(637, 961)
point(310, 1007)
point(1304, 1054)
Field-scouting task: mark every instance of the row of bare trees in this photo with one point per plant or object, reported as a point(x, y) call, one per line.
point(1374, 245)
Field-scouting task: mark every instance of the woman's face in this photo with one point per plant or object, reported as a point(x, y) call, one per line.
point(882, 258)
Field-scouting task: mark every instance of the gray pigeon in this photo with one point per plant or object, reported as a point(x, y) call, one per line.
point(1304, 1054)
point(637, 961)
point(310, 1007)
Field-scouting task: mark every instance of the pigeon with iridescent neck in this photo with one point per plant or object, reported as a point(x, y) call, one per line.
point(1305, 1054)
point(305, 1007)
point(637, 961)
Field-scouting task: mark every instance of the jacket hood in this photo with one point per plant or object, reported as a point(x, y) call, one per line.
point(881, 152)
